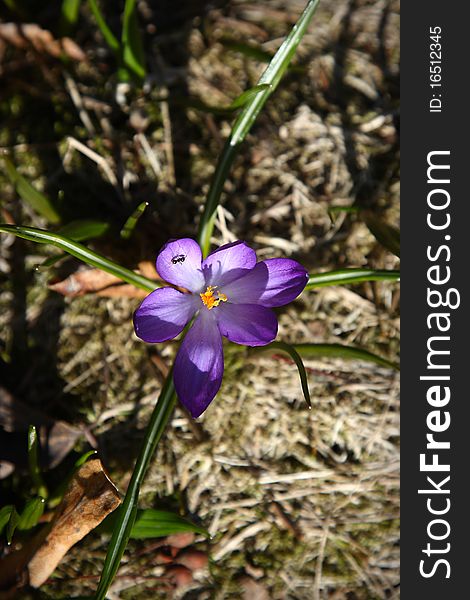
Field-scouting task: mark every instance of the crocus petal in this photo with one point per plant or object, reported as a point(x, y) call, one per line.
point(199, 365)
point(273, 282)
point(228, 263)
point(179, 263)
point(248, 324)
point(163, 314)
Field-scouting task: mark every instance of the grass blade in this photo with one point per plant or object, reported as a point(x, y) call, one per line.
point(131, 222)
point(38, 201)
point(271, 76)
point(33, 460)
point(84, 229)
point(340, 351)
point(344, 276)
point(82, 460)
point(248, 50)
point(108, 35)
point(68, 16)
point(5, 513)
point(31, 514)
point(385, 234)
point(295, 356)
point(352, 209)
point(239, 101)
point(133, 55)
point(128, 511)
point(51, 261)
point(247, 95)
point(81, 252)
point(333, 211)
point(12, 525)
point(159, 523)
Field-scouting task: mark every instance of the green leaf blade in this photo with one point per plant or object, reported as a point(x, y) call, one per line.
point(344, 352)
point(84, 229)
point(387, 235)
point(108, 35)
point(132, 221)
point(33, 459)
point(271, 77)
point(247, 95)
point(68, 16)
point(5, 513)
point(81, 252)
point(31, 514)
point(273, 73)
point(248, 50)
point(127, 513)
point(29, 194)
point(12, 525)
point(152, 523)
point(291, 351)
point(133, 55)
point(348, 276)
point(160, 416)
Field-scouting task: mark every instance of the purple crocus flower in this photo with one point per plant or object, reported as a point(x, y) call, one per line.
point(230, 294)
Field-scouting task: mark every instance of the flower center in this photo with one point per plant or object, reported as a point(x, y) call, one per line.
point(210, 300)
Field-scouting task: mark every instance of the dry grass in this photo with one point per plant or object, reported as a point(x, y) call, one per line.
point(304, 502)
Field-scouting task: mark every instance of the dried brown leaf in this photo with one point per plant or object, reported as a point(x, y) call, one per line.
point(122, 291)
point(84, 282)
point(147, 269)
point(89, 498)
point(95, 281)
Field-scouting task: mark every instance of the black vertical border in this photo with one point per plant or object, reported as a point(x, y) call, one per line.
point(422, 132)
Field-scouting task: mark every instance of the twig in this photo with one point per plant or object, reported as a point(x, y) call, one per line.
point(222, 226)
point(78, 102)
point(149, 154)
point(320, 559)
point(74, 144)
point(167, 134)
point(233, 543)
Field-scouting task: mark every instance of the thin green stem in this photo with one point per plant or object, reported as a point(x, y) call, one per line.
point(295, 356)
point(344, 276)
point(271, 77)
point(108, 35)
point(128, 510)
point(82, 252)
point(33, 460)
point(206, 224)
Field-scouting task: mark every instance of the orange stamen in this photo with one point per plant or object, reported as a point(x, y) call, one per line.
point(210, 300)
